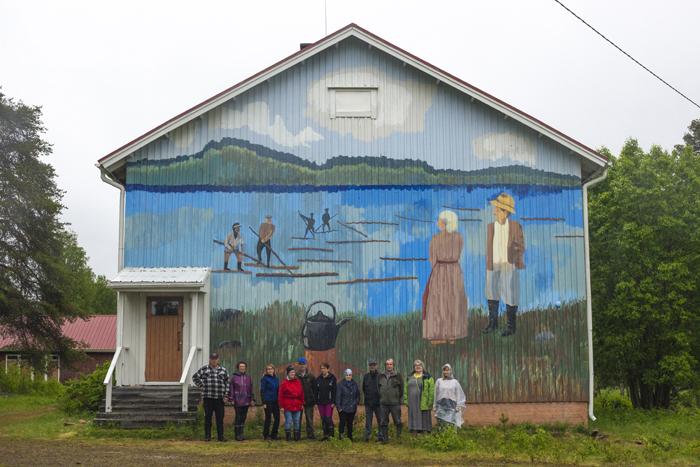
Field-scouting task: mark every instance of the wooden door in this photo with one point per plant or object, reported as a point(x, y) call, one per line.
point(164, 339)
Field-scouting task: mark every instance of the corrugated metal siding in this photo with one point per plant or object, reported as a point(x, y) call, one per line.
point(174, 225)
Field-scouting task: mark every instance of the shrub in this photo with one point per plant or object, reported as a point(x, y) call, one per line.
point(85, 393)
point(612, 399)
point(688, 398)
point(447, 438)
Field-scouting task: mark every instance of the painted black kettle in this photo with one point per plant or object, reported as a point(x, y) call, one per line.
point(320, 330)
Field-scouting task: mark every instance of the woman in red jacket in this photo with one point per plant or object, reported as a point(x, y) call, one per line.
point(291, 400)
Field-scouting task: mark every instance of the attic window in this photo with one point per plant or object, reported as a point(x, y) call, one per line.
point(353, 102)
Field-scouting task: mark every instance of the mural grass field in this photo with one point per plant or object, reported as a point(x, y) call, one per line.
point(546, 360)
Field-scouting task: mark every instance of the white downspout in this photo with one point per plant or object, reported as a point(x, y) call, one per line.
point(109, 179)
point(589, 304)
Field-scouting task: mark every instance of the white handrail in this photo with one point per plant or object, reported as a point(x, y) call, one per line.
point(183, 378)
point(108, 378)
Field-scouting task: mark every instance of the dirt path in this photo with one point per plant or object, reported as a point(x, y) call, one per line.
point(20, 452)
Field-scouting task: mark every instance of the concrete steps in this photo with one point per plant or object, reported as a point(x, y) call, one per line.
point(149, 406)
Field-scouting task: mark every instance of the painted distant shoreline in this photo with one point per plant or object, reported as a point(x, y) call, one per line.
point(237, 165)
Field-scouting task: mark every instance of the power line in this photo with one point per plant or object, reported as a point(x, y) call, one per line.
point(628, 55)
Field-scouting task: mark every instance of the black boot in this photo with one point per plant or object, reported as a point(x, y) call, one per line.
point(510, 315)
point(399, 429)
point(383, 435)
point(331, 428)
point(287, 435)
point(297, 435)
point(226, 266)
point(493, 317)
point(240, 266)
point(237, 433)
point(324, 427)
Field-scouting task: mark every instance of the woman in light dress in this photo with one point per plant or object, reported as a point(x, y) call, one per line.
point(450, 400)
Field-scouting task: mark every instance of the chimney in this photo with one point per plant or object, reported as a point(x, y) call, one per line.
point(304, 45)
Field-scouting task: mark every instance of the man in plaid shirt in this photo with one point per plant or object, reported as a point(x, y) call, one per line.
point(212, 379)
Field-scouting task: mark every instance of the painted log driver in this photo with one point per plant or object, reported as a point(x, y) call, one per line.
point(234, 244)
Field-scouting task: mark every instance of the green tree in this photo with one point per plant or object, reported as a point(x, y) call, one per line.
point(645, 272)
point(40, 270)
point(692, 138)
point(105, 299)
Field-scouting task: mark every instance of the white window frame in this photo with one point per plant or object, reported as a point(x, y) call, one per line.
point(369, 113)
point(15, 356)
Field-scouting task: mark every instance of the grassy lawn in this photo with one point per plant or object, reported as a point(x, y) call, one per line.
point(33, 431)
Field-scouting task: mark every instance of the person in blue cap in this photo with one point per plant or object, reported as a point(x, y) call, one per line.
point(307, 383)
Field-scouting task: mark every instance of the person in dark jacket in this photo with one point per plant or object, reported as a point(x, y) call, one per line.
point(390, 398)
point(308, 383)
point(212, 379)
point(241, 394)
point(370, 391)
point(346, 401)
point(325, 392)
point(291, 400)
point(269, 394)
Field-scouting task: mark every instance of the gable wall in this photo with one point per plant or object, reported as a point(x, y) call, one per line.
point(274, 150)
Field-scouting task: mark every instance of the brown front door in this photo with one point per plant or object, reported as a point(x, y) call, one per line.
point(164, 339)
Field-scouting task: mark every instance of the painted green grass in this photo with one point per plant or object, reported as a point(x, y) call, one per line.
point(545, 361)
point(623, 437)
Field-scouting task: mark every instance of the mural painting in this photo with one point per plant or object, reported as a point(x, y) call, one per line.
point(397, 240)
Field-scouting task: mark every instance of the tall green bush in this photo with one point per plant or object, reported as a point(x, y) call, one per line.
point(84, 394)
point(19, 381)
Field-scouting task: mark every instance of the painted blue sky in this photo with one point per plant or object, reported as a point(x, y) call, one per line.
point(417, 118)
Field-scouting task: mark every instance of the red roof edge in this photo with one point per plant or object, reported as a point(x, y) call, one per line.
point(310, 47)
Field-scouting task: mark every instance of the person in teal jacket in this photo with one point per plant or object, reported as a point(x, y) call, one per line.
point(419, 397)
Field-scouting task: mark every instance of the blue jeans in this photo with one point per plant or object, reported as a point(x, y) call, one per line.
point(292, 420)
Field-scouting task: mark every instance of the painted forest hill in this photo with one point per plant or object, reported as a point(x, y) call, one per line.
point(237, 163)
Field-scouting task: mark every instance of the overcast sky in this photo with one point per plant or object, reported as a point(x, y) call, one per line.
point(106, 72)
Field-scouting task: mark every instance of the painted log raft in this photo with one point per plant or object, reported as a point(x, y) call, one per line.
point(380, 279)
point(342, 242)
point(461, 209)
point(412, 219)
point(385, 258)
point(296, 275)
point(231, 271)
point(263, 266)
point(542, 218)
point(318, 260)
point(372, 223)
point(353, 229)
point(328, 250)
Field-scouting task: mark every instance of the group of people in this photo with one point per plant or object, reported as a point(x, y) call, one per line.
point(301, 393)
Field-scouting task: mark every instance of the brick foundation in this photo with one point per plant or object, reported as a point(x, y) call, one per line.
point(572, 413)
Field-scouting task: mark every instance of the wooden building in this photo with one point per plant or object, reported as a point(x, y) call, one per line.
point(401, 211)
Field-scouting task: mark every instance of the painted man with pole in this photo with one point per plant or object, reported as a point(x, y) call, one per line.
point(265, 233)
point(234, 244)
point(310, 224)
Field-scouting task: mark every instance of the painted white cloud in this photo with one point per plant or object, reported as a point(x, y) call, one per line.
point(505, 146)
point(256, 116)
point(401, 105)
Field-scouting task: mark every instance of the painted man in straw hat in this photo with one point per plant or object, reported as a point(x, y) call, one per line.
point(505, 250)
